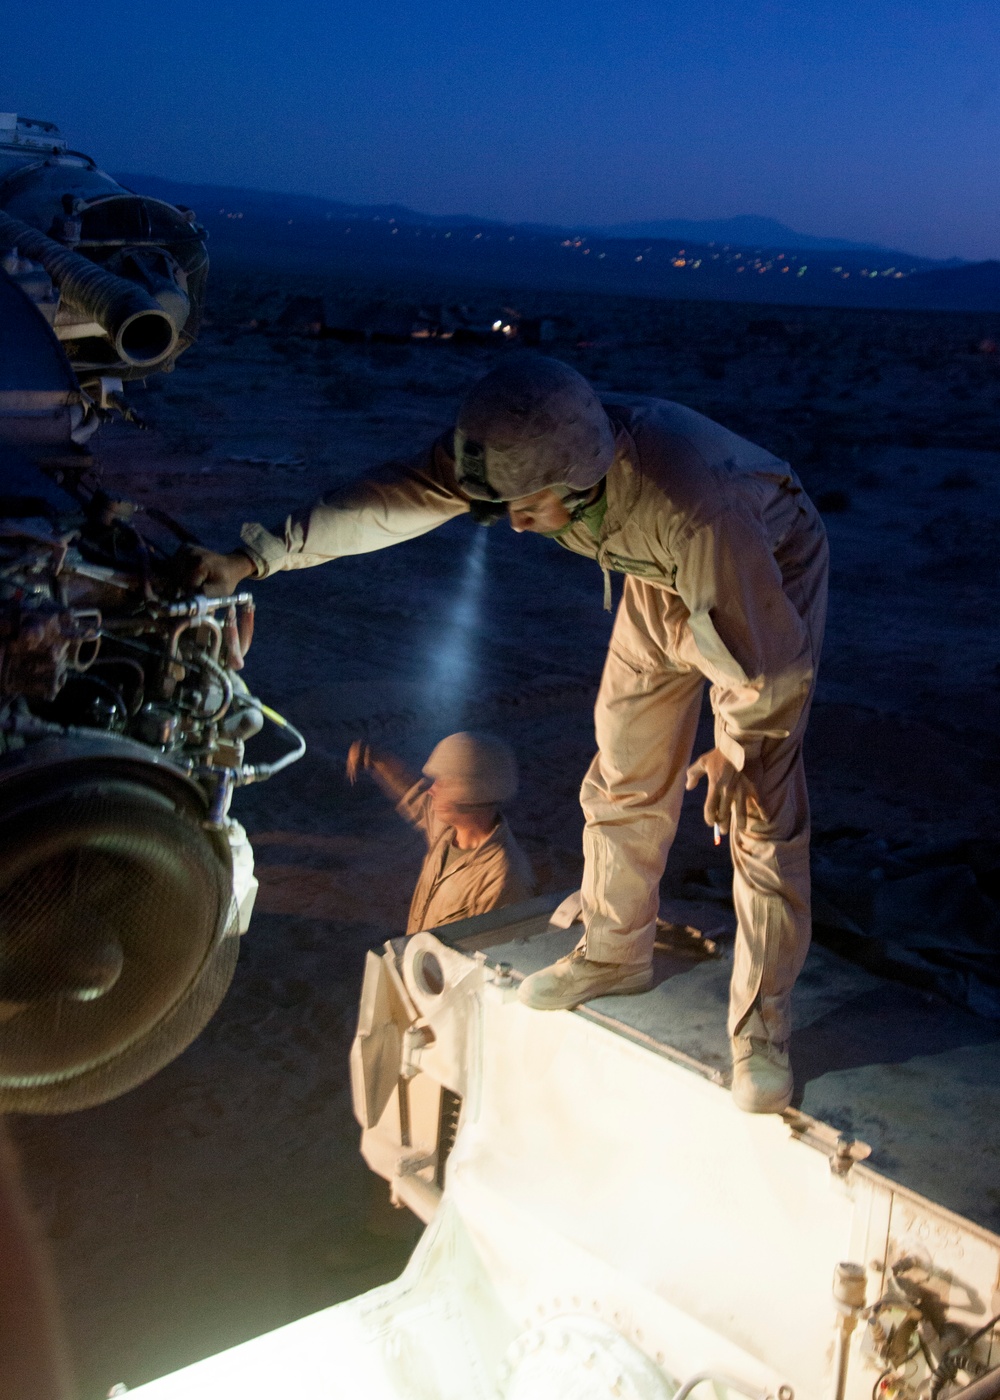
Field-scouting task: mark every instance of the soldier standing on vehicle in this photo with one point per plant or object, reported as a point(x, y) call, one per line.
point(725, 561)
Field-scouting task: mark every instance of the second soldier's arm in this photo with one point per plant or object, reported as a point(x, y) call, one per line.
point(409, 792)
point(390, 772)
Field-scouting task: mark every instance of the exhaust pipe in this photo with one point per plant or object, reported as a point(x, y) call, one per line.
point(138, 327)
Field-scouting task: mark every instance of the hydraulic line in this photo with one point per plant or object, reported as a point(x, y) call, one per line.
point(951, 1361)
point(224, 681)
point(258, 772)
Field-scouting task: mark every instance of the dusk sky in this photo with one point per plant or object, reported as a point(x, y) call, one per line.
point(871, 121)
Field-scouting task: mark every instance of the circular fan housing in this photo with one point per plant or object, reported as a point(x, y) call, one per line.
point(117, 928)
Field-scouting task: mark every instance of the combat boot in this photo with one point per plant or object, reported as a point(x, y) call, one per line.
point(762, 1075)
point(575, 979)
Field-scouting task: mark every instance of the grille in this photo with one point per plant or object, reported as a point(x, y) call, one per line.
point(451, 1110)
point(115, 905)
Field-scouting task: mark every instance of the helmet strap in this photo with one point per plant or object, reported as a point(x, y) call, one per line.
point(578, 503)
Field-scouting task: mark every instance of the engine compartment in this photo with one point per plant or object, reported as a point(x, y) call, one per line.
point(124, 721)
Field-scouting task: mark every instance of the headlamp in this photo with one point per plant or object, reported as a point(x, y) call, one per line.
point(487, 512)
point(471, 471)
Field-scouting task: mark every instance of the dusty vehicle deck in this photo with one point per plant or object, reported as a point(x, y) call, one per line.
point(600, 1218)
point(900, 1070)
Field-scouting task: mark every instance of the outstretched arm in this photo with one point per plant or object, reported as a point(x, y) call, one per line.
point(390, 772)
point(393, 503)
point(406, 789)
point(396, 502)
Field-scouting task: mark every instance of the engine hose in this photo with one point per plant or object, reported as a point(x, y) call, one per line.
point(259, 772)
point(947, 1368)
point(226, 683)
point(138, 327)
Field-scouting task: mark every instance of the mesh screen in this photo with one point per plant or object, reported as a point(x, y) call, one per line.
point(114, 907)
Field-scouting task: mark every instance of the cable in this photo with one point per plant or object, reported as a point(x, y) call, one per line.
point(104, 662)
point(113, 696)
point(882, 1377)
point(260, 772)
point(987, 1327)
point(223, 679)
point(948, 1366)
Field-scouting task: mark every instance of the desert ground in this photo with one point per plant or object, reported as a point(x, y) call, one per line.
point(227, 1195)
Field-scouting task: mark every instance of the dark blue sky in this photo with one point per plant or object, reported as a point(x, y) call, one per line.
point(874, 121)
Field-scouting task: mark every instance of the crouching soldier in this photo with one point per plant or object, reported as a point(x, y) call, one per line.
point(473, 864)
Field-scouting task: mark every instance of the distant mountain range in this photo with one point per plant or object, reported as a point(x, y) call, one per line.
point(747, 259)
point(746, 230)
point(302, 206)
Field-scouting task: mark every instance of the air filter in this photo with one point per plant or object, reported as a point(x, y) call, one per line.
point(117, 937)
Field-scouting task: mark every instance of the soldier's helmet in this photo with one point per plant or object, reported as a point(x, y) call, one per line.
point(482, 768)
point(532, 422)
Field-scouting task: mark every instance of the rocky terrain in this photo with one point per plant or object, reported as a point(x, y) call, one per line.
point(227, 1196)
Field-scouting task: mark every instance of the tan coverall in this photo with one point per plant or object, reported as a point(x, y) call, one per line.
point(471, 882)
point(726, 565)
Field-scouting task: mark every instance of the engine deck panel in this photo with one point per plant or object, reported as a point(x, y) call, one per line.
point(902, 1070)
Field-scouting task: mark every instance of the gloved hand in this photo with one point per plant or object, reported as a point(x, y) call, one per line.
point(216, 575)
point(391, 774)
point(723, 783)
point(358, 757)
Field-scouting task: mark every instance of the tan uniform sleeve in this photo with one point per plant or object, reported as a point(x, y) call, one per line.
point(396, 502)
point(415, 807)
point(752, 643)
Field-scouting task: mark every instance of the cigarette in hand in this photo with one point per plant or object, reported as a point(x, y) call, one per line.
point(716, 834)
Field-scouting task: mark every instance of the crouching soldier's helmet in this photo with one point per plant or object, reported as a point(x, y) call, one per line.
point(531, 423)
point(481, 768)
